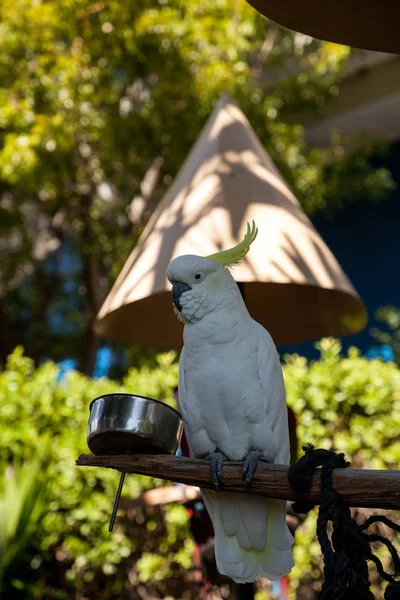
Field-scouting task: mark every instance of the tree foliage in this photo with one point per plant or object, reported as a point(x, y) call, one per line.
point(346, 403)
point(100, 103)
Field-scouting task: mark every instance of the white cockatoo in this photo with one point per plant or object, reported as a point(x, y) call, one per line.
point(232, 400)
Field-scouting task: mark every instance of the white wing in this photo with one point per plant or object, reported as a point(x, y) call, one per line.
point(273, 393)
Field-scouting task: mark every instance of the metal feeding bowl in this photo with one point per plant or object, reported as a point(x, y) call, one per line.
point(131, 424)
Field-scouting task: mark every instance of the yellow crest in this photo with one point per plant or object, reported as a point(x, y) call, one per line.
point(228, 258)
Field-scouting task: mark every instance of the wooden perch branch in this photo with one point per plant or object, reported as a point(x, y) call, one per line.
point(358, 487)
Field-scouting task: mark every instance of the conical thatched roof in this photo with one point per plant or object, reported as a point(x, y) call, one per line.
point(293, 284)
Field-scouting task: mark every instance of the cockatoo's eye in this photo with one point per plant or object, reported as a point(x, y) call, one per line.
point(198, 277)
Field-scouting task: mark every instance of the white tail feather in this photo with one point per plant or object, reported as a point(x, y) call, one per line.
point(252, 539)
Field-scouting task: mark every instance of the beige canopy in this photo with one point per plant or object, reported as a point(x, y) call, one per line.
point(369, 24)
point(292, 283)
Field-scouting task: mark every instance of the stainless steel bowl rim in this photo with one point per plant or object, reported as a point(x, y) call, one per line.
point(134, 396)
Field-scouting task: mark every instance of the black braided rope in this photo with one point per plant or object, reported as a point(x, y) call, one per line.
point(347, 551)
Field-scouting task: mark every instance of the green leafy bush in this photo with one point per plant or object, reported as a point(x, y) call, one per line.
point(350, 405)
point(72, 549)
point(346, 403)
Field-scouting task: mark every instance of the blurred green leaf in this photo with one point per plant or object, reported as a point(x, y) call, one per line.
point(22, 507)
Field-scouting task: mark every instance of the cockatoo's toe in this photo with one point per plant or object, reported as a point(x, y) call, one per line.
point(217, 460)
point(250, 465)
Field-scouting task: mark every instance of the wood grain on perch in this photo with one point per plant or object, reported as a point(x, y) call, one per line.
point(358, 487)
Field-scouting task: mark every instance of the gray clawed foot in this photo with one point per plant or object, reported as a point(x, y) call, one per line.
point(250, 465)
point(217, 460)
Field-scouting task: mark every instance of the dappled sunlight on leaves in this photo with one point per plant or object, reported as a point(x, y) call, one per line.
point(349, 404)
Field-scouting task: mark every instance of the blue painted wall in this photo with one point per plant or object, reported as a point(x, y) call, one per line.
point(365, 238)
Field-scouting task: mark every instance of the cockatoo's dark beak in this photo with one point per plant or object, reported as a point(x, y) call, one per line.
point(178, 289)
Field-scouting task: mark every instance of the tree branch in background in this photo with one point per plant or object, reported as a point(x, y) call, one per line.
point(96, 288)
point(140, 204)
point(8, 338)
point(257, 69)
